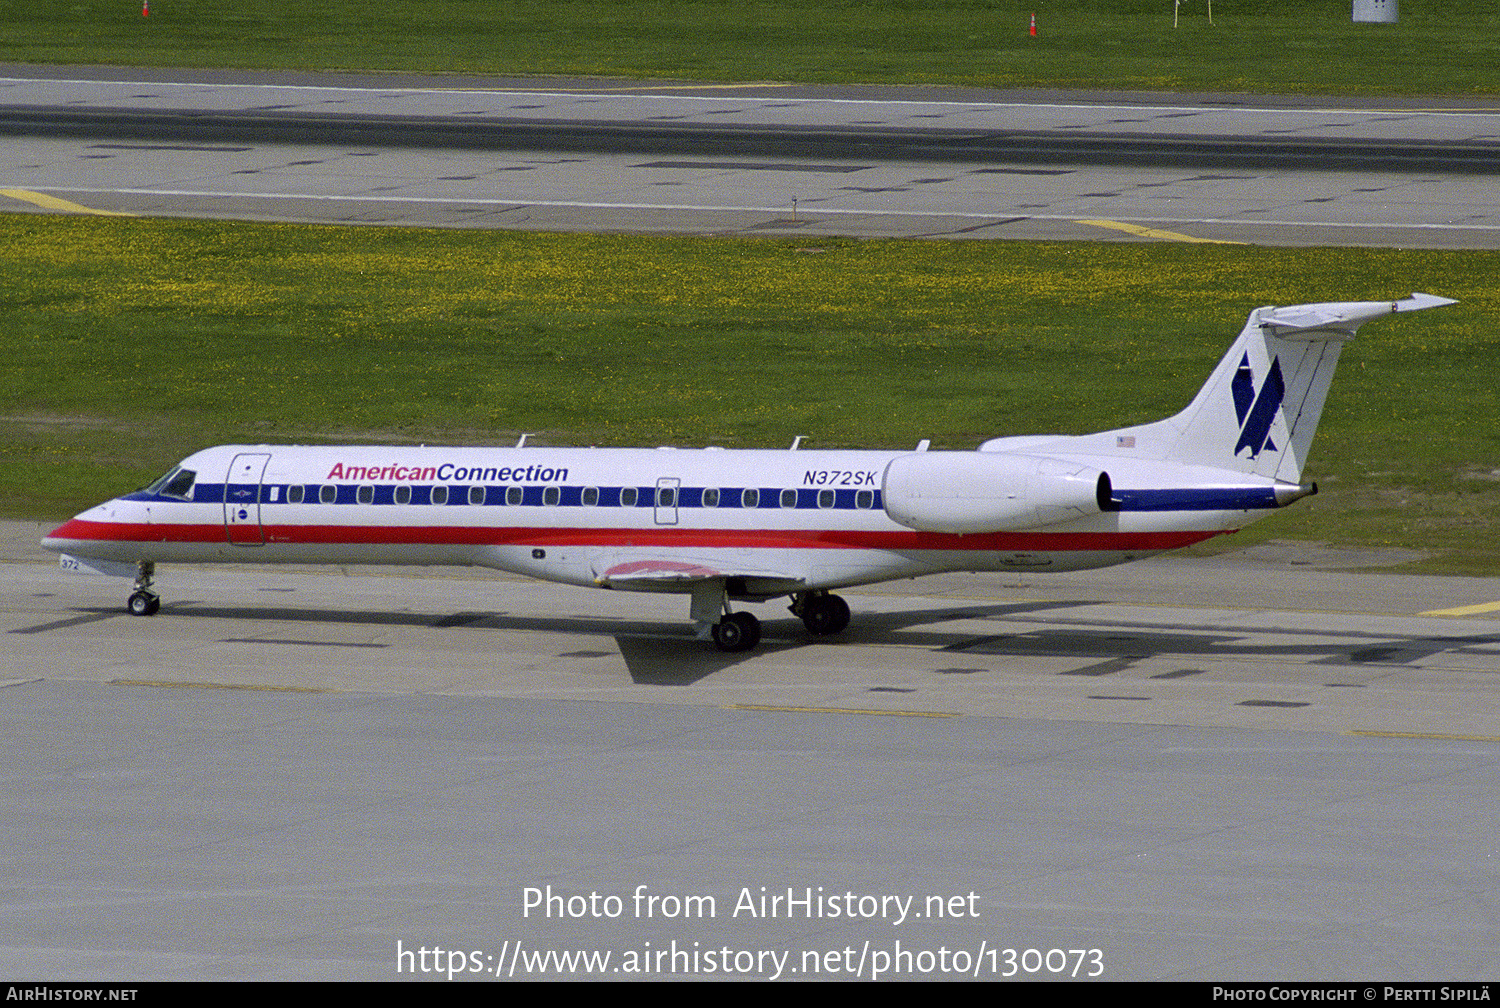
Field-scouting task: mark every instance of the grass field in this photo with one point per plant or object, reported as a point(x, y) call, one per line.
point(1438, 47)
point(129, 343)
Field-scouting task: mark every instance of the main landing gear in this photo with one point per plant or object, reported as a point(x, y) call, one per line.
point(738, 631)
point(820, 612)
point(730, 631)
point(143, 601)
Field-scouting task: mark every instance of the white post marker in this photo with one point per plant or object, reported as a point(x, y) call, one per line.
point(1376, 11)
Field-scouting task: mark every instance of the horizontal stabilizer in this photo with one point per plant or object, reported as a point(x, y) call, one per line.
point(1345, 316)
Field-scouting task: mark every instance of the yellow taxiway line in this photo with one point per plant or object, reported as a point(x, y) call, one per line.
point(1468, 610)
point(1146, 232)
point(838, 710)
point(1427, 735)
point(53, 203)
point(218, 685)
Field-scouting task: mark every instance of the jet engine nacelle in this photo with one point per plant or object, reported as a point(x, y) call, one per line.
point(965, 492)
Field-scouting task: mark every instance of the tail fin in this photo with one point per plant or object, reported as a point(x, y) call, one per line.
point(1260, 408)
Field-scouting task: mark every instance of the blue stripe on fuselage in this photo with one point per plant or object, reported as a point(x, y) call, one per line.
point(769, 498)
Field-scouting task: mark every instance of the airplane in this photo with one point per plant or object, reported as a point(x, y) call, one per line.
point(724, 526)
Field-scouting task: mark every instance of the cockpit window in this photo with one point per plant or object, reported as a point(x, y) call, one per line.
point(177, 483)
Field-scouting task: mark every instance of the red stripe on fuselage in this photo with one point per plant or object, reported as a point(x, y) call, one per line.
point(438, 535)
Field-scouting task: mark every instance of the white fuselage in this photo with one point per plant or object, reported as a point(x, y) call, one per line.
point(641, 519)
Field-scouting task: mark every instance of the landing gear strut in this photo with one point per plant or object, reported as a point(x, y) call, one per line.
point(730, 631)
point(820, 612)
point(143, 601)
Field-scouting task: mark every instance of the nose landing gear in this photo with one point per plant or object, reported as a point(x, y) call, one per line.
point(143, 601)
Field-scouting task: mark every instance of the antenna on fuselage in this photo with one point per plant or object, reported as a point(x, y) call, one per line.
point(522, 443)
point(797, 441)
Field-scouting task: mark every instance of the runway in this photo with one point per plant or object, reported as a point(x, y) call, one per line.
point(754, 159)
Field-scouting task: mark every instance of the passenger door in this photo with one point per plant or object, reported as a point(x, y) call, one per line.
point(242, 495)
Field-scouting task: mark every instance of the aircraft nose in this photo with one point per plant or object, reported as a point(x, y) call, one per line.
point(99, 523)
point(67, 536)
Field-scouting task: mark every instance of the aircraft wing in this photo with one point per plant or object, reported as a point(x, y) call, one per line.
point(664, 575)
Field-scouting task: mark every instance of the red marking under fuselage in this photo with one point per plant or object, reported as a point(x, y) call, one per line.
point(81, 529)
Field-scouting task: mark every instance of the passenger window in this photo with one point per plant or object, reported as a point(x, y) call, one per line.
point(476, 495)
point(294, 493)
point(864, 499)
point(711, 497)
point(628, 496)
point(825, 498)
point(788, 498)
point(590, 496)
point(666, 496)
point(551, 496)
point(750, 499)
point(403, 495)
point(328, 493)
point(367, 495)
point(439, 495)
point(514, 495)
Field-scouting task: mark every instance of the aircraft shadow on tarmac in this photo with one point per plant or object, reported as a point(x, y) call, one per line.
point(1120, 640)
point(666, 653)
point(683, 661)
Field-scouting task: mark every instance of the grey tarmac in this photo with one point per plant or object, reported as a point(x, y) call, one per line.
point(1284, 635)
point(375, 775)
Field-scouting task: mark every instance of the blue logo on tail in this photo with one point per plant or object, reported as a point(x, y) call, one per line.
point(1256, 410)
